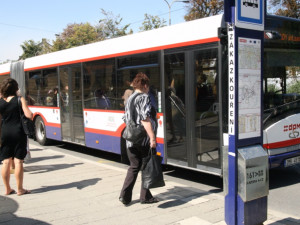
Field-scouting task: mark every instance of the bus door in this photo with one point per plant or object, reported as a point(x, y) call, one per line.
point(192, 135)
point(71, 103)
point(175, 109)
point(206, 110)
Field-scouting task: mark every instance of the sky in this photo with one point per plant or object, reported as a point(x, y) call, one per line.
point(22, 20)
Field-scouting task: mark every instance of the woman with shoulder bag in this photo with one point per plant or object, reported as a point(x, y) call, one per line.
point(14, 140)
point(145, 114)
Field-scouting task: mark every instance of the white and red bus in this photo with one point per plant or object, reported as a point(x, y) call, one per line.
point(76, 95)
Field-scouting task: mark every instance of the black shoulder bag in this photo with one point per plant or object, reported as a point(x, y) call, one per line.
point(133, 132)
point(27, 124)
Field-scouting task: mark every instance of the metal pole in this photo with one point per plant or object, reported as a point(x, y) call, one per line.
point(170, 5)
point(169, 11)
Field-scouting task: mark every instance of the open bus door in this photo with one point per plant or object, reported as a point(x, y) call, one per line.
point(191, 105)
point(70, 103)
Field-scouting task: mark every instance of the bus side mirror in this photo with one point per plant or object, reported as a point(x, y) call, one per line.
point(222, 34)
point(272, 35)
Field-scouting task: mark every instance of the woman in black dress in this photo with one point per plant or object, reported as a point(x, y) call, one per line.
point(145, 115)
point(14, 140)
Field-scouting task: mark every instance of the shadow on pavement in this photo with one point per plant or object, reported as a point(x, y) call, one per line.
point(48, 168)
point(195, 176)
point(38, 159)
point(7, 208)
point(180, 195)
point(36, 149)
point(287, 221)
point(78, 184)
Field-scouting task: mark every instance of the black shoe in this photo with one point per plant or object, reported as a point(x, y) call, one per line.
point(124, 201)
point(150, 201)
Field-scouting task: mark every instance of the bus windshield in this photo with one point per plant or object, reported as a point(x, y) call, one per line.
point(281, 85)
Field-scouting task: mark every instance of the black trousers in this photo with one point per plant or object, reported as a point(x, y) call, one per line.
point(135, 155)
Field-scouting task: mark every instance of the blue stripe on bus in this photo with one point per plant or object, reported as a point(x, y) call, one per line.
point(278, 160)
point(53, 133)
point(110, 143)
point(103, 142)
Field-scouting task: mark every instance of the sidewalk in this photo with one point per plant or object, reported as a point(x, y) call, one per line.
point(70, 190)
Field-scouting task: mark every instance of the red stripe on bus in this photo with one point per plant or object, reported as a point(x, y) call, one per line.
point(182, 44)
point(43, 107)
point(45, 121)
point(114, 133)
point(110, 111)
point(282, 144)
point(160, 140)
point(104, 132)
point(6, 73)
point(103, 110)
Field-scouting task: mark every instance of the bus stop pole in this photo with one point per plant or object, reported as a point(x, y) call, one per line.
point(247, 180)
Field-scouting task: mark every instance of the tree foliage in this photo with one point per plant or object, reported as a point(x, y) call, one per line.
point(152, 22)
point(289, 8)
point(46, 47)
point(203, 8)
point(75, 35)
point(110, 26)
point(30, 49)
point(294, 87)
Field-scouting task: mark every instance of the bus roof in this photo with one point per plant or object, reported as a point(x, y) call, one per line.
point(4, 69)
point(183, 34)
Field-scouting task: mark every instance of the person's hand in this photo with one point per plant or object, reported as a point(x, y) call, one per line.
point(152, 143)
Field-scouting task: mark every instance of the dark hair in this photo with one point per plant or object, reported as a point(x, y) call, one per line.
point(140, 80)
point(9, 87)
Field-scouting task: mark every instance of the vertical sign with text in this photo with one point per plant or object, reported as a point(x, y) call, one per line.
point(231, 80)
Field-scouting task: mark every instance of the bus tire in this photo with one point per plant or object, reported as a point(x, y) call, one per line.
point(124, 156)
point(40, 131)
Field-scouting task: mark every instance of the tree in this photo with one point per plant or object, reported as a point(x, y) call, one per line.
point(75, 35)
point(289, 8)
point(110, 26)
point(203, 8)
point(30, 49)
point(46, 47)
point(152, 22)
point(294, 87)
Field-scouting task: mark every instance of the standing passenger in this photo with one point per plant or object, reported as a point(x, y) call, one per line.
point(127, 92)
point(145, 115)
point(14, 140)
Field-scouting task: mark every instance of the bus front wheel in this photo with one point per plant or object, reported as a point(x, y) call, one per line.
point(40, 131)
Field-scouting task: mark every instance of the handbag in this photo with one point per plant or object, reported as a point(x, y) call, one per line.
point(27, 124)
point(152, 176)
point(134, 132)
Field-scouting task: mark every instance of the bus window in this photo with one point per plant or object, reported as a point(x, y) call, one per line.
point(128, 67)
point(207, 108)
point(42, 84)
point(3, 77)
point(281, 85)
point(99, 91)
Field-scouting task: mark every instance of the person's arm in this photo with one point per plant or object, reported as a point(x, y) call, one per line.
point(147, 125)
point(26, 110)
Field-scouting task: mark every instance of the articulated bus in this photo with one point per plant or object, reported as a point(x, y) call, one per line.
point(77, 95)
